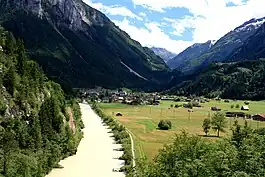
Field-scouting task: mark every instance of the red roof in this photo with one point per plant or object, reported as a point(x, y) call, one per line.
point(261, 115)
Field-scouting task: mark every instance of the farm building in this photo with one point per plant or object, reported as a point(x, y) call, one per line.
point(259, 117)
point(244, 108)
point(215, 109)
point(118, 114)
point(235, 114)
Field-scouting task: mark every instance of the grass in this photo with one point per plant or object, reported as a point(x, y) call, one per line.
point(142, 121)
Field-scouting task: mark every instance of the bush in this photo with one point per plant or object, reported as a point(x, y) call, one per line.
point(237, 106)
point(164, 125)
point(232, 106)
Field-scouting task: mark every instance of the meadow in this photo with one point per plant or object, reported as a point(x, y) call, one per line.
point(142, 121)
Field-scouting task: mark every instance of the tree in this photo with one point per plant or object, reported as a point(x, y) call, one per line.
point(219, 122)
point(164, 125)
point(21, 57)
point(206, 126)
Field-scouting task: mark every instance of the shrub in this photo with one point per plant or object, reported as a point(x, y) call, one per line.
point(237, 106)
point(232, 106)
point(164, 125)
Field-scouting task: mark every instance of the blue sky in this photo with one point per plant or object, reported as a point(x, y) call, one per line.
point(177, 24)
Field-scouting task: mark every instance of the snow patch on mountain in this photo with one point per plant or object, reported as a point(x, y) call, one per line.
point(132, 71)
point(253, 24)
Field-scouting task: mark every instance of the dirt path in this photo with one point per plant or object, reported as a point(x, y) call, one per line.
point(95, 156)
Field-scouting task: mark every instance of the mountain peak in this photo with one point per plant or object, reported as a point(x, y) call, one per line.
point(163, 53)
point(251, 24)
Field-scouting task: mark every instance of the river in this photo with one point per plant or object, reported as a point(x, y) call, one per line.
point(96, 155)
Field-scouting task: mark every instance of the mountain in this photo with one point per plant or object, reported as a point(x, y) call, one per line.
point(163, 53)
point(253, 48)
point(79, 46)
point(237, 80)
point(225, 46)
point(186, 59)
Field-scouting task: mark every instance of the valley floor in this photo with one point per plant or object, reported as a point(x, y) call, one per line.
point(96, 155)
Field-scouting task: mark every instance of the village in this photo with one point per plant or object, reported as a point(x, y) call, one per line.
point(126, 96)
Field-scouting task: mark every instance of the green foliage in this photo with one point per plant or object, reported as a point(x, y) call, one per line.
point(237, 106)
point(219, 122)
point(190, 155)
point(242, 80)
point(34, 134)
point(232, 106)
point(206, 126)
point(164, 124)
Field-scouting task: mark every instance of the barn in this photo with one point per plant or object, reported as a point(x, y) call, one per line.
point(244, 108)
point(259, 117)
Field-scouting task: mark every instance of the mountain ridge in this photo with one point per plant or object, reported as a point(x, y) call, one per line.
point(86, 45)
point(223, 48)
point(163, 53)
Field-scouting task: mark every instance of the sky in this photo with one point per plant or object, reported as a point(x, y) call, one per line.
point(177, 24)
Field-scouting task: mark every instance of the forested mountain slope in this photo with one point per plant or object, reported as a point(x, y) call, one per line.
point(238, 80)
point(253, 48)
point(79, 46)
point(38, 126)
point(186, 60)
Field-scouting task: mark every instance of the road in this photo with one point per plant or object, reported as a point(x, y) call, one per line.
point(96, 155)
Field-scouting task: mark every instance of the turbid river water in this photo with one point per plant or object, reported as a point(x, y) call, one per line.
point(96, 155)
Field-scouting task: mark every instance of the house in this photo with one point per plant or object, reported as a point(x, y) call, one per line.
point(259, 117)
point(122, 93)
point(118, 114)
point(105, 100)
point(120, 99)
point(235, 114)
point(244, 108)
point(215, 109)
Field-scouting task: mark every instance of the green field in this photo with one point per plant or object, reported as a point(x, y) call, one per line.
point(142, 121)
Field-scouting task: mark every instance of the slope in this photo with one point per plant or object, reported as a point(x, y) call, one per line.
point(238, 80)
point(225, 46)
point(163, 53)
point(185, 60)
point(79, 46)
point(253, 48)
point(35, 131)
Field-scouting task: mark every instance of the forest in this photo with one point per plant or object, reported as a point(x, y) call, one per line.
point(242, 80)
point(39, 123)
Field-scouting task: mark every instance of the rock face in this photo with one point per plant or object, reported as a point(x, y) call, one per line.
point(163, 53)
point(79, 46)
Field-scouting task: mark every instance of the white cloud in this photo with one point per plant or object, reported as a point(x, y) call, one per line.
point(209, 19)
point(142, 14)
point(216, 19)
point(113, 10)
point(152, 35)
